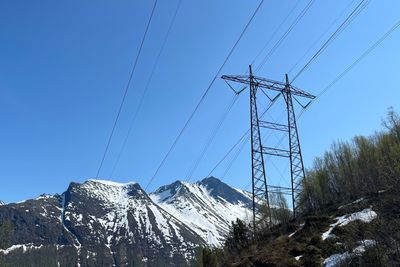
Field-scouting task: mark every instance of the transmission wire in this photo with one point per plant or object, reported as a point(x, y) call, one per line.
point(356, 62)
point(283, 37)
point(149, 80)
point(357, 10)
point(126, 89)
point(276, 31)
point(320, 37)
point(294, 23)
point(202, 98)
point(189, 176)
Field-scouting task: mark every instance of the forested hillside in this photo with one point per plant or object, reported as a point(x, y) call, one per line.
point(350, 215)
point(352, 169)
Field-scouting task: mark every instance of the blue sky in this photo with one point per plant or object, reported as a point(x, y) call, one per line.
point(64, 65)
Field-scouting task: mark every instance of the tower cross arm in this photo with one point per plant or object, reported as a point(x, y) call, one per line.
point(267, 84)
point(299, 92)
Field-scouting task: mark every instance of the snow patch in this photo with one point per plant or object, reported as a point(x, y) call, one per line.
point(24, 247)
point(292, 234)
point(366, 216)
point(339, 258)
point(111, 183)
point(44, 196)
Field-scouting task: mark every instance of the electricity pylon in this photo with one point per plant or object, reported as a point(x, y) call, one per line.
point(260, 187)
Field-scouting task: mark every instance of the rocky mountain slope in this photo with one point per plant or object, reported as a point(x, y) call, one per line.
point(103, 223)
point(208, 206)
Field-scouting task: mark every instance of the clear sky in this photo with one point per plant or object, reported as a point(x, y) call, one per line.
point(64, 65)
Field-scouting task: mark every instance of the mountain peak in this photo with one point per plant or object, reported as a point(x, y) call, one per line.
point(219, 189)
point(207, 206)
point(211, 178)
point(170, 191)
point(105, 190)
point(176, 183)
point(180, 183)
point(211, 181)
point(111, 183)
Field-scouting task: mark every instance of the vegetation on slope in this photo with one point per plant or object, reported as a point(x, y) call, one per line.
point(351, 170)
point(355, 176)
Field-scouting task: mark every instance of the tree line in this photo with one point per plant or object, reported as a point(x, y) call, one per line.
point(351, 170)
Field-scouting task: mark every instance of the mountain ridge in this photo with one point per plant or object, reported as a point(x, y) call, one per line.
point(112, 223)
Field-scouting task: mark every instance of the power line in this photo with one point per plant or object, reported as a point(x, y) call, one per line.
point(293, 154)
point(356, 11)
point(320, 37)
point(219, 124)
point(237, 153)
point(277, 144)
point(266, 58)
point(202, 97)
point(135, 114)
point(298, 18)
point(283, 37)
point(357, 61)
point(273, 35)
point(241, 139)
point(349, 68)
point(189, 176)
point(229, 152)
point(276, 31)
point(244, 136)
point(235, 156)
point(126, 89)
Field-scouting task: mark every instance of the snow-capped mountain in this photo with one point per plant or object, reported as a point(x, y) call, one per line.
point(104, 223)
point(208, 206)
point(2, 203)
point(96, 223)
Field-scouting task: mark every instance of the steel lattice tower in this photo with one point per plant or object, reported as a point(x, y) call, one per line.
point(259, 178)
point(260, 187)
